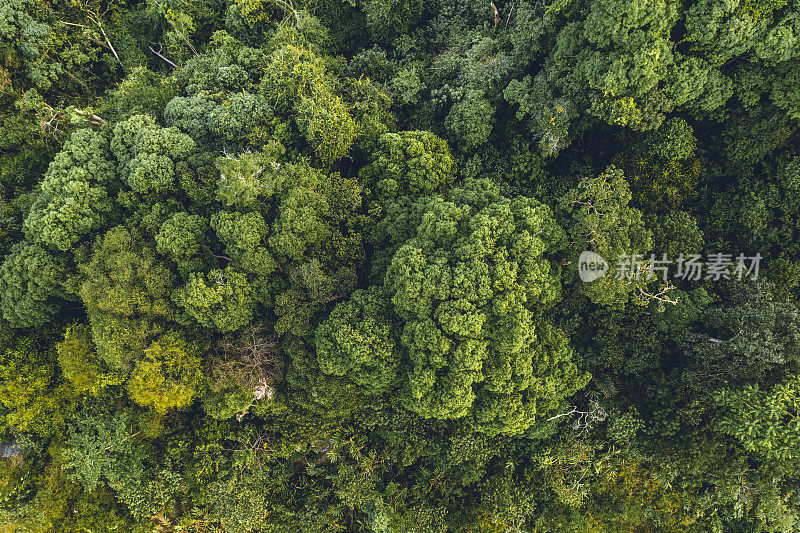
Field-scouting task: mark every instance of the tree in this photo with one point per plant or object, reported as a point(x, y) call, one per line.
point(221, 299)
point(358, 341)
point(293, 74)
point(241, 504)
point(327, 125)
point(73, 200)
point(123, 277)
point(41, 495)
point(192, 115)
point(748, 338)
point(247, 177)
point(724, 31)
point(310, 290)
point(79, 362)
point(471, 287)
point(470, 120)
point(601, 220)
point(549, 114)
point(103, 448)
point(120, 340)
point(412, 162)
point(300, 226)
point(296, 82)
point(674, 140)
point(244, 236)
point(657, 184)
point(675, 233)
point(386, 20)
point(168, 377)
point(31, 284)
point(751, 134)
point(151, 159)
point(126, 291)
point(622, 57)
point(242, 232)
point(182, 237)
point(141, 92)
point(36, 401)
point(765, 421)
point(238, 120)
point(371, 107)
point(30, 40)
point(246, 119)
point(312, 208)
point(243, 369)
point(784, 91)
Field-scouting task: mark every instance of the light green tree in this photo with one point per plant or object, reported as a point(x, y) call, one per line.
point(182, 238)
point(103, 449)
point(601, 220)
point(221, 299)
point(151, 159)
point(765, 420)
point(73, 200)
point(168, 377)
point(358, 341)
point(471, 287)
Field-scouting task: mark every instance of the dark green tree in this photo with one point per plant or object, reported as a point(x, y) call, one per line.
point(31, 284)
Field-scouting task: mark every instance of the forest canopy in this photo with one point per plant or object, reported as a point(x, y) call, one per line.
point(399, 266)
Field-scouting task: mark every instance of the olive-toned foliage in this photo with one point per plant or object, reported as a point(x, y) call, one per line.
point(79, 362)
point(168, 376)
point(36, 400)
point(125, 278)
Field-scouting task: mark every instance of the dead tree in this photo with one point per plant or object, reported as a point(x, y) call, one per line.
point(250, 360)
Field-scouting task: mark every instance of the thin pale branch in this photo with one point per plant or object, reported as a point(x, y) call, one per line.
point(162, 57)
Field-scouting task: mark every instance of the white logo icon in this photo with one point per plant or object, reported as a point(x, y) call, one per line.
point(591, 266)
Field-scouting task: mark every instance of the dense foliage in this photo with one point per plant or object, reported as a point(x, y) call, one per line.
point(276, 266)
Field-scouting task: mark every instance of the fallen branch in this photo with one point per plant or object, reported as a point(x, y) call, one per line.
point(509, 15)
point(108, 41)
point(224, 257)
point(92, 118)
point(95, 17)
point(660, 296)
point(161, 56)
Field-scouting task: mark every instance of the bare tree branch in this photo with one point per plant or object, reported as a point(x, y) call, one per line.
point(251, 361)
point(161, 56)
point(92, 118)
